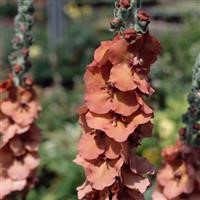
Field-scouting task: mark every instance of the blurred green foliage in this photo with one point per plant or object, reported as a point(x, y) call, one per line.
point(171, 76)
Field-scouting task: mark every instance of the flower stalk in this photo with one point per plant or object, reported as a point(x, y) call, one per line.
point(22, 40)
point(192, 116)
point(19, 109)
point(115, 117)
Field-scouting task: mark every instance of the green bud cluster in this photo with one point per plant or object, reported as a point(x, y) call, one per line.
point(22, 40)
point(192, 117)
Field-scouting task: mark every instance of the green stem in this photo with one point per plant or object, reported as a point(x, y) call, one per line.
point(139, 4)
point(192, 117)
point(22, 40)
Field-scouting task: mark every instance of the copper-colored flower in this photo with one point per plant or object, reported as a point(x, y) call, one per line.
point(94, 144)
point(8, 185)
point(116, 126)
point(20, 139)
point(86, 191)
point(23, 110)
point(101, 173)
point(101, 97)
point(125, 79)
point(115, 117)
point(175, 180)
point(179, 178)
point(134, 181)
point(8, 129)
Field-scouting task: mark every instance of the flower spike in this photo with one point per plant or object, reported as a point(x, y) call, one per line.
point(19, 109)
point(115, 117)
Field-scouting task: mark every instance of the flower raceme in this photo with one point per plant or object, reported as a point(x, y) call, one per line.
point(115, 117)
point(19, 138)
point(179, 178)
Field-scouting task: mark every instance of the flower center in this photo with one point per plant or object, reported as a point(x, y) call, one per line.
point(109, 89)
point(136, 61)
point(117, 117)
point(23, 107)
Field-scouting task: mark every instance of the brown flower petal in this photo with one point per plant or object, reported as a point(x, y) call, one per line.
point(18, 185)
point(113, 149)
point(91, 146)
point(125, 79)
point(140, 165)
point(158, 195)
point(83, 190)
point(6, 158)
point(118, 129)
point(6, 186)
point(128, 194)
point(101, 98)
point(134, 181)
point(142, 84)
point(150, 50)
point(22, 114)
point(117, 52)
point(100, 56)
point(121, 77)
point(17, 146)
point(103, 174)
point(165, 175)
point(31, 161)
point(145, 130)
point(100, 173)
point(144, 107)
point(125, 103)
point(32, 139)
point(18, 171)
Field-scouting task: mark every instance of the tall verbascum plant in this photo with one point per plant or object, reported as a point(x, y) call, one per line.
point(115, 116)
point(179, 178)
point(19, 109)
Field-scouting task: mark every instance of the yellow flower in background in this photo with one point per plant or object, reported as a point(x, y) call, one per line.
point(74, 11)
point(166, 128)
point(86, 10)
point(35, 51)
point(152, 154)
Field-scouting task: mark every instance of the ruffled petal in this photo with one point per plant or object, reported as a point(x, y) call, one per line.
point(31, 161)
point(140, 165)
point(118, 129)
point(100, 54)
point(165, 175)
point(125, 103)
point(135, 181)
point(6, 186)
point(142, 84)
point(158, 195)
point(17, 146)
point(91, 146)
point(83, 190)
point(117, 52)
point(121, 77)
point(113, 148)
point(18, 171)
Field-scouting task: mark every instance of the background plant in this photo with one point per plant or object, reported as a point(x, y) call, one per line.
point(174, 69)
